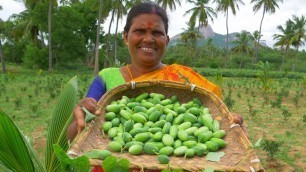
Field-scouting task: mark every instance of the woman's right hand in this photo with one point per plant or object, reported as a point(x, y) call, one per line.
point(78, 123)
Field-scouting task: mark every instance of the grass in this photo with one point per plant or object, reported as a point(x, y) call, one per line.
point(29, 96)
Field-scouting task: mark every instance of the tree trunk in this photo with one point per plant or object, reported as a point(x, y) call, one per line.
point(56, 55)
point(283, 59)
point(2, 58)
point(42, 42)
point(254, 54)
point(241, 60)
point(108, 39)
point(226, 53)
point(259, 37)
point(294, 58)
point(115, 39)
point(49, 40)
point(96, 69)
point(92, 58)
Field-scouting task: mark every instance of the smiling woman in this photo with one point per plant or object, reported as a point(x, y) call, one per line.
point(146, 35)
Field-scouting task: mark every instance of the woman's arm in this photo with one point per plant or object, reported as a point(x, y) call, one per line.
point(95, 92)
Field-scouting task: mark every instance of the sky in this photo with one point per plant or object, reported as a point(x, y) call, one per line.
point(245, 19)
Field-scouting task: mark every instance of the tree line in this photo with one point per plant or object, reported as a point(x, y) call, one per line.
point(48, 33)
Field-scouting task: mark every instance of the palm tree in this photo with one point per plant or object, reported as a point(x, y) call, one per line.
point(200, 12)
point(269, 6)
point(299, 35)
point(210, 47)
point(27, 24)
point(25, 27)
point(255, 36)
point(243, 44)
point(225, 6)
point(190, 38)
point(284, 39)
point(171, 4)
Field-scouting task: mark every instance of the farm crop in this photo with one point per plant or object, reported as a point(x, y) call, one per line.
point(152, 123)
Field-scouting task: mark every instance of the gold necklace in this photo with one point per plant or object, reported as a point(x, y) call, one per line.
point(131, 75)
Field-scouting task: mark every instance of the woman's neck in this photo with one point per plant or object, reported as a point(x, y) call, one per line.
point(137, 70)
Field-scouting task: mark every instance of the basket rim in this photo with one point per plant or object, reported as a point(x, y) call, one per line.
point(77, 142)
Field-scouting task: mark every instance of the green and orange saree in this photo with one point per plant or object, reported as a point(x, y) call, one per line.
point(179, 73)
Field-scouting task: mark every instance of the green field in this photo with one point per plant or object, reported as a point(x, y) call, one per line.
point(278, 116)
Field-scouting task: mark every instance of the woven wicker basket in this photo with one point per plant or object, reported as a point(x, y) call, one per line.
point(238, 154)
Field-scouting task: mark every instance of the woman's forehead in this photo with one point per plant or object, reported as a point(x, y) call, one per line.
point(150, 20)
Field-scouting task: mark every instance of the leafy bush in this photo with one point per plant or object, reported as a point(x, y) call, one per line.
point(35, 57)
point(213, 65)
point(271, 147)
point(271, 58)
point(264, 75)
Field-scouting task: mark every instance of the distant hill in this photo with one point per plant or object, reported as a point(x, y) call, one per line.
point(219, 40)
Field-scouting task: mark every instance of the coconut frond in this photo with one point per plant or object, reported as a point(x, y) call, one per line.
point(61, 119)
point(3, 168)
point(16, 154)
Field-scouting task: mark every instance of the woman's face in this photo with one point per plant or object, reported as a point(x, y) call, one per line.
point(146, 39)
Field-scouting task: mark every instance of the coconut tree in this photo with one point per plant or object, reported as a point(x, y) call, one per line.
point(269, 6)
point(27, 24)
point(200, 12)
point(171, 4)
point(25, 27)
point(299, 35)
point(255, 35)
point(284, 39)
point(242, 43)
point(190, 37)
point(225, 6)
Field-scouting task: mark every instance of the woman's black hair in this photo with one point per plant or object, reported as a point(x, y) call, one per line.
point(146, 8)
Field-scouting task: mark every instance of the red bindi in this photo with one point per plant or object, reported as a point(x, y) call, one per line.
point(150, 24)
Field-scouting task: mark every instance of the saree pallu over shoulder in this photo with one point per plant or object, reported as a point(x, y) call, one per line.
point(183, 74)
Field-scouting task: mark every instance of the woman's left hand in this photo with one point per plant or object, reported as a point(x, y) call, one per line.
point(239, 120)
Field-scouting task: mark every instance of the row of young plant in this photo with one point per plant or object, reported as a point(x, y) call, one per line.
point(248, 73)
point(267, 100)
point(33, 95)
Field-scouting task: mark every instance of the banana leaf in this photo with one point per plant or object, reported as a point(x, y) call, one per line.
point(61, 119)
point(16, 154)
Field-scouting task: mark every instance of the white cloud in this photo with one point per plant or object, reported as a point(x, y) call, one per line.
point(10, 7)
